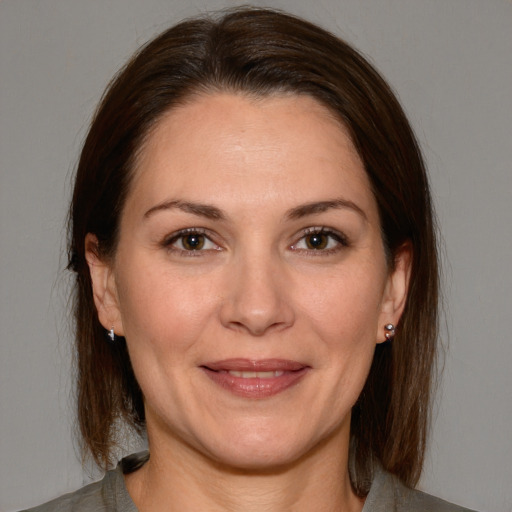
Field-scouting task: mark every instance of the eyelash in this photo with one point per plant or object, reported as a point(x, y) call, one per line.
point(169, 242)
point(339, 238)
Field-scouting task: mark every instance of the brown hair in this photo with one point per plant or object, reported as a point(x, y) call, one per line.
point(261, 52)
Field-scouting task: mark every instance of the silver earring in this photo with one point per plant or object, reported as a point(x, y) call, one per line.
point(390, 331)
point(112, 334)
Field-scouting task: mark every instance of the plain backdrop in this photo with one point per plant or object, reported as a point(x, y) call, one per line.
point(450, 61)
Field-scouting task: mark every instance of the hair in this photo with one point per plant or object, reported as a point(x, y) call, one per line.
point(263, 52)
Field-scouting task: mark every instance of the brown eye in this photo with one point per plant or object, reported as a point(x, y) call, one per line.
point(190, 242)
point(320, 240)
point(193, 242)
point(316, 241)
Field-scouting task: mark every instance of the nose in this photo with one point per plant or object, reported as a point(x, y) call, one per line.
point(255, 299)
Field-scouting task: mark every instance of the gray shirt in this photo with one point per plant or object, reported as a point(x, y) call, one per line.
point(387, 494)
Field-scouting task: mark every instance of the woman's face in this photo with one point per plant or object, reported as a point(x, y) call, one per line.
point(250, 279)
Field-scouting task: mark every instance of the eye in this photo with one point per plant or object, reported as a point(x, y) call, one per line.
point(317, 241)
point(320, 239)
point(191, 240)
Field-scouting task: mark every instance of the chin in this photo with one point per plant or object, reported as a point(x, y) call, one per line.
point(265, 450)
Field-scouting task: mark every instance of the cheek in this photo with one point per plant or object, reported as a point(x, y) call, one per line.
point(344, 314)
point(162, 309)
point(344, 305)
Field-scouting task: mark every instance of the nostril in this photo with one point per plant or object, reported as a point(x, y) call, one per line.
point(257, 329)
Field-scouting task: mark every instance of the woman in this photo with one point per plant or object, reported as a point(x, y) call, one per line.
point(252, 235)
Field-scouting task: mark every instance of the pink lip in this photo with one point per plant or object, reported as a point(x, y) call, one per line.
point(288, 374)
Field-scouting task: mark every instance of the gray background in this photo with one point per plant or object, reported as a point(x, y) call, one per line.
point(450, 62)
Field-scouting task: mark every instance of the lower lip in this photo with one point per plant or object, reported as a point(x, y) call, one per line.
point(256, 387)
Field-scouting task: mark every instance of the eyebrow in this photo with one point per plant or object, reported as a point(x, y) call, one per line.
point(322, 206)
point(203, 210)
point(212, 212)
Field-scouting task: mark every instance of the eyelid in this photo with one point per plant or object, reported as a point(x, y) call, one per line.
point(174, 237)
point(336, 235)
point(339, 237)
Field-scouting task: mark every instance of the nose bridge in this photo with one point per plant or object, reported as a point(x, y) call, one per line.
point(255, 300)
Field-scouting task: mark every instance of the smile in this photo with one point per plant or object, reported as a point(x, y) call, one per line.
point(255, 379)
point(253, 375)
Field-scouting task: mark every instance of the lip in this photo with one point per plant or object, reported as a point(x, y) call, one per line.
point(255, 378)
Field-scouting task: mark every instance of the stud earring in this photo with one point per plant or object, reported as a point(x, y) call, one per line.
point(111, 334)
point(390, 331)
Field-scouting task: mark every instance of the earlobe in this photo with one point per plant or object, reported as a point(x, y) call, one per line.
point(103, 287)
point(395, 294)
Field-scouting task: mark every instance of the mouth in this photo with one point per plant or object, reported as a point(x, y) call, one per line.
point(255, 379)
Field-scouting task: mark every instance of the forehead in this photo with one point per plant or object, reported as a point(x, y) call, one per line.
point(219, 146)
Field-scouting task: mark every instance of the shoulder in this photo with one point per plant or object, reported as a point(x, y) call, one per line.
point(414, 500)
point(107, 495)
point(86, 498)
point(389, 494)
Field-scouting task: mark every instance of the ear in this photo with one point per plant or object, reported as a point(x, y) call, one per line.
point(396, 290)
point(103, 287)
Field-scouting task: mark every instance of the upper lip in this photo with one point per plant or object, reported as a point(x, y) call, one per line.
point(259, 365)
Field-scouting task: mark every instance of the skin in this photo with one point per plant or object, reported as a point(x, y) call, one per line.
point(255, 290)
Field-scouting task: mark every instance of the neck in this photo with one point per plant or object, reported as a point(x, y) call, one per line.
point(181, 479)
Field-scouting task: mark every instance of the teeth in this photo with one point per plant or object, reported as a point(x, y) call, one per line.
point(256, 375)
